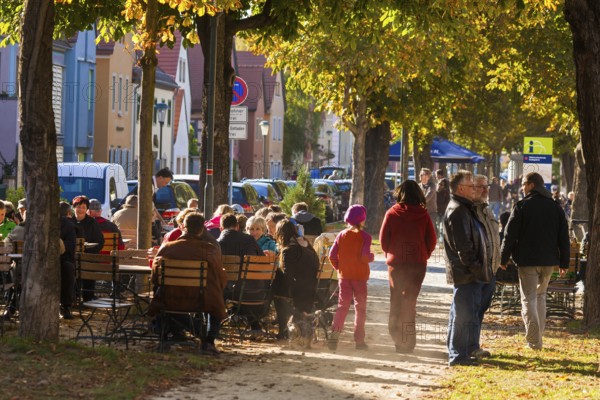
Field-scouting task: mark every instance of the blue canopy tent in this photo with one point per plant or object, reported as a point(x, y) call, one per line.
point(445, 151)
point(395, 151)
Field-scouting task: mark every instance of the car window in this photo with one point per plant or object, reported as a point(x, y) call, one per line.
point(163, 196)
point(72, 186)
point(238, 196)
point(112, 189)
point(261, 190)
point(251, 194)
point(272, 193)
point(183, 192)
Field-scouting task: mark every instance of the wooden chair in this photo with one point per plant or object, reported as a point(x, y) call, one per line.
point(80, 245)
point(232, 266)
point(181, 286)
point(111, 242)
point(252, 294)
point(105, 268)
point(326, 290)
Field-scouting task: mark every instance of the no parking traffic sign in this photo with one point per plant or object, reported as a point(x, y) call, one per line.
point(240, 91)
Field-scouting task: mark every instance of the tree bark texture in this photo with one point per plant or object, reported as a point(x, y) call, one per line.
point(148, 63)
point(39, 305)
point(377, 149)
point(584, 19)
point(225, 75)
point(568, 170)
point(580, 210)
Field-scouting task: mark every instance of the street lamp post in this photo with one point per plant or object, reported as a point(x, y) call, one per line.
point(161, 111)
point(264, 130)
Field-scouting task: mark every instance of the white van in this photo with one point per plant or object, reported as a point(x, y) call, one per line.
point(102, 181)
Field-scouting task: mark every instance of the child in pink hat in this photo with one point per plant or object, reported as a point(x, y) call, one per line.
point(350, 255)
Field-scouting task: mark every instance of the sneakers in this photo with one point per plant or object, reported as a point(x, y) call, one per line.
point(469, 361)
point(361, 346)
point(333, 339)
point(481, 353)
point(209, 349)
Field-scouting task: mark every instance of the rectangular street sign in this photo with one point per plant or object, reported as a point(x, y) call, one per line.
point(238, 131)
point(238, 114)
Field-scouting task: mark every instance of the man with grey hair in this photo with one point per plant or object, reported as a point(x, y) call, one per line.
point(428, 187)
point(467, 269)
point(95, 211)
point(537, 238)
point(492, 231)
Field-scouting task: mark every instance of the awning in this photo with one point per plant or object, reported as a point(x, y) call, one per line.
point(395, 151)
point(443, 150)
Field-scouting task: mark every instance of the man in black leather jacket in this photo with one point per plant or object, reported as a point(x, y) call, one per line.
point(537, 237)
point(467, 268)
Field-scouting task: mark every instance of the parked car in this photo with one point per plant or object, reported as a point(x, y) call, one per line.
point(192, 180)
point(131, 184)
point(344, 186)
point(280, 186)
point(266, 193)
point(172, 198)
point(326, 192)
point(102, 181)
point(245, 195)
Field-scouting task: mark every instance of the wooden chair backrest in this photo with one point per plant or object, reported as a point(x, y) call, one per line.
point(258, 268)
point(97, 267)
point(326, 270)
point(80, 245)
point(5, 261)
point(18, 246)
point(133, 257)
point(188, 273)
point(232, 266)
point(111, 242)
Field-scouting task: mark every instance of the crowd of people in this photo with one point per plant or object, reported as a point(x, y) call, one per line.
point(464, 210)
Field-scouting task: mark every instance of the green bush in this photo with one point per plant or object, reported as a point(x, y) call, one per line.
point(14, 195)
point(304, 191)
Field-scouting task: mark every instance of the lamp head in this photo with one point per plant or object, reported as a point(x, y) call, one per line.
point(264, 127)
point(161, 111)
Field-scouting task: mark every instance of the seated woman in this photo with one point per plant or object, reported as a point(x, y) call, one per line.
point(296, 277)
point(257, 228)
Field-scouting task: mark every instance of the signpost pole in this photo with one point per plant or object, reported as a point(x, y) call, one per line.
point(230, 171)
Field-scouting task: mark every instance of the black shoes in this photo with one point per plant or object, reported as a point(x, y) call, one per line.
point(209, 349)
point(65, 311)
point(469, 361)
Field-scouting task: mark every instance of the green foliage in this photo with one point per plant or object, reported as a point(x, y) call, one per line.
point(303, 191)
point(301, 124)
point(14, 195)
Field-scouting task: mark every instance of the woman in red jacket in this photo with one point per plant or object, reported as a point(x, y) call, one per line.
point(408, 238)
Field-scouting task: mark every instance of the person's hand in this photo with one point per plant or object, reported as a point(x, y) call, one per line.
point(503, 267)
point(562, 272)
point(268, 252)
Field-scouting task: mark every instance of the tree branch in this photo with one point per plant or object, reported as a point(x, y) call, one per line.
point(256, 21)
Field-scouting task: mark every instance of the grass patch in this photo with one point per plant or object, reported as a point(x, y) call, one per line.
point(567, 368)
point(35, 370)
point(376, 247)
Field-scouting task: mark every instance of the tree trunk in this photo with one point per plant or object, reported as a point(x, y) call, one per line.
point(568, 170)
point(583, 16)
point(224, 78)
point(425, 156)
point(580, 210)
point(377, 151)
point(357, 193)
point(148, 63)
point(38, 310)
point(416, 156)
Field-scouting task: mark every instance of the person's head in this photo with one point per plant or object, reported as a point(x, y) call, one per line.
point(241, 220)
point(193, 224)
point(229, 221)
point(263, 212)
point(163, 177)
point(22, 207)
point(256, 227)
point(481, 193)
point(301, 206)
point(532, 180)
point(131, 201)
point(192, 203)
point(440, 174)
point(285, 231)
point(554, 190)
point(275, 208)
point(425, 175)
point(95, 208)
point(2, 211)
point(65, 210)
point(355, 215)
point(495, 180)
point(462, 185)
point(222, 210)
point(81, 205)
point(184, 213)
point(272, 220)
point(409, 192)
point(237, 209)
point(571, 196)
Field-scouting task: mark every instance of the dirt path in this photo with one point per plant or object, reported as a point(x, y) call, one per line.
point(274, 371)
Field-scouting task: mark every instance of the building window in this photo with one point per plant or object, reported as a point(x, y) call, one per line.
point(169, 112)
point(120, 93)
point(114, 92)
point(127, 95)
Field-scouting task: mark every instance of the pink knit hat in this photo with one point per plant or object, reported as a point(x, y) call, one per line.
point(355, 214)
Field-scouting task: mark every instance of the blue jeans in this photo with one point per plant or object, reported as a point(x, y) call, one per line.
point(487, 292)
point(464, 326)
